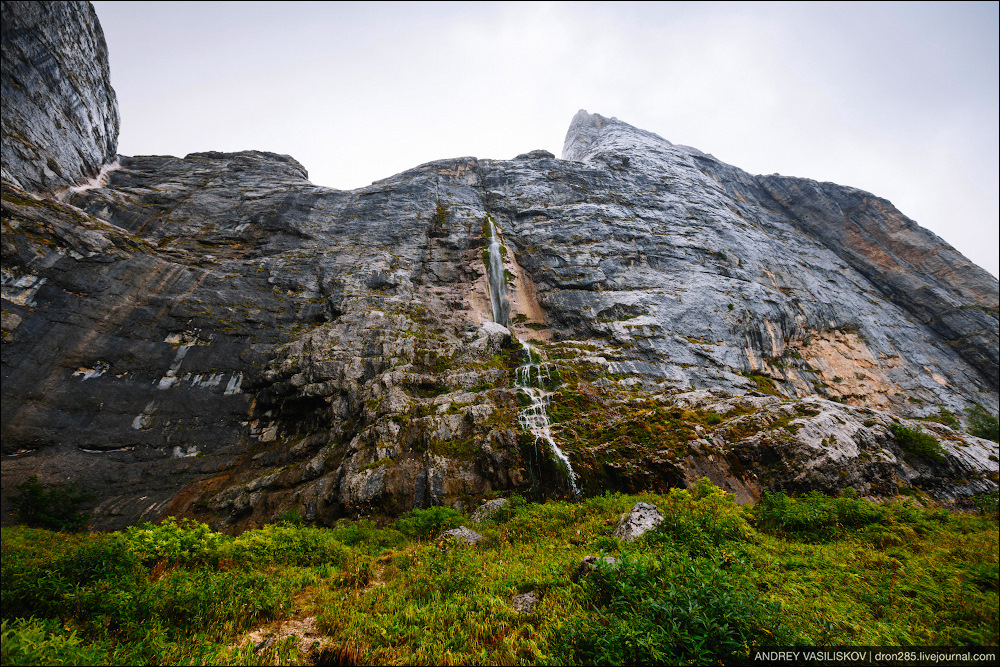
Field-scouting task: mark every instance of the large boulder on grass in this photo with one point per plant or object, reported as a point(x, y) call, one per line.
point(642, 518)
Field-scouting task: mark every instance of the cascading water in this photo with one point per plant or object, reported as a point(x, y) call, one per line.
point(533, 379)
point(498, 281)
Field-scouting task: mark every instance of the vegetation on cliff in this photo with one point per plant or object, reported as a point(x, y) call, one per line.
point(711, 582)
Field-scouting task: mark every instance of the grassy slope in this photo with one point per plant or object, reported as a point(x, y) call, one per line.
point(717, 578)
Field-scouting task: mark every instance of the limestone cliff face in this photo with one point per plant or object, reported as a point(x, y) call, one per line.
point(215, 336)
point(60, 113)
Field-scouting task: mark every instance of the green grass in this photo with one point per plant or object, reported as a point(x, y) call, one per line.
point(714, 580)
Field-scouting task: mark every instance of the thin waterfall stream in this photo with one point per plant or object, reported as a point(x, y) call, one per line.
point(532, 378)
point(498, 281)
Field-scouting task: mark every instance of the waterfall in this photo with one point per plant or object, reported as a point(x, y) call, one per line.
point(533, 379)
point(498, 281)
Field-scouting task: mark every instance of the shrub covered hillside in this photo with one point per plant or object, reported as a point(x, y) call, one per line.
point(710, 583)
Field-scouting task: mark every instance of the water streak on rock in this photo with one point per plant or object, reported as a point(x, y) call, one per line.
point(498, 281)
point(533, 379)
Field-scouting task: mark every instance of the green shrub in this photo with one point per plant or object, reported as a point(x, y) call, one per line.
point(364, 536)
point(32, 641)
point(699, 521)
point(987, 503)
point(983, 425)
point(430, 522)
point(815, 516)
point(670, 608)
point(57, 507)
point(510, 509)
point(36, 582)
point(281, 543)
point(184, 541)
point(290, 517)
point(917, 443)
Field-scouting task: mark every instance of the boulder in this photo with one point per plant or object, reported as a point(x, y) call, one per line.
point(488, 509)
point(460, 534)
point(641, 518)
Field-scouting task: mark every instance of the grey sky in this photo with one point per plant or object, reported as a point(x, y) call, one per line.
point(898, 99)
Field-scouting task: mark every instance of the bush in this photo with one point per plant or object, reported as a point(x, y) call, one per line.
point(917, 443)
point(286, 544)
point(815, 515)
point(514, 505)
point(43, 642)
point(290, 517)
point(56, 508)
point(364, 534)
point(184, 541)
point(36, 582)
point(671, 609)
point(430, 522)
point(988, 504)
point(983, 425)
point(699, 521)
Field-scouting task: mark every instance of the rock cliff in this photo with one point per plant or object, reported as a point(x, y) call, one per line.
point(216, 336)
point(60, 114)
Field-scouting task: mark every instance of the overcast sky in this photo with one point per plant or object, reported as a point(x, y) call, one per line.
point(898, 99)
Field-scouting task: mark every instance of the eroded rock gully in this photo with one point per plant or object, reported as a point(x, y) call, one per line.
point(216, 336)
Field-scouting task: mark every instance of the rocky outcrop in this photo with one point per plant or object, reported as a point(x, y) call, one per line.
point(639, 520)
point(215, 336)
point(60, 113)
point(814, 443)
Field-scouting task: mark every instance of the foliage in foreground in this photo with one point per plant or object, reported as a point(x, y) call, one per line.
point(56, 507)
point(713, 581)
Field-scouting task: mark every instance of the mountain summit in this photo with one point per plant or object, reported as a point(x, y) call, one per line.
point(215, 336)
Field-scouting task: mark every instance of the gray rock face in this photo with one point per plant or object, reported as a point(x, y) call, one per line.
point(641, 519)
point(214, 336)
point(60, 114)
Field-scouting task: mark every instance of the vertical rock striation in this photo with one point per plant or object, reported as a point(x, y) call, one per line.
point(60, 113)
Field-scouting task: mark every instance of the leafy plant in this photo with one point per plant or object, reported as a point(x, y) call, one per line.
point(290, 517)
point(987, 503)
point(917, 443)
point(430, 522)
point(671, 609)
point(56, 507)
point(983, 425)
point(186, 541)
point(815, 516)
point(31, 641)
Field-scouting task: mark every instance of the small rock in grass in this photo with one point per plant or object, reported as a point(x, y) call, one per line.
point(525, 603)
point(588, 565)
